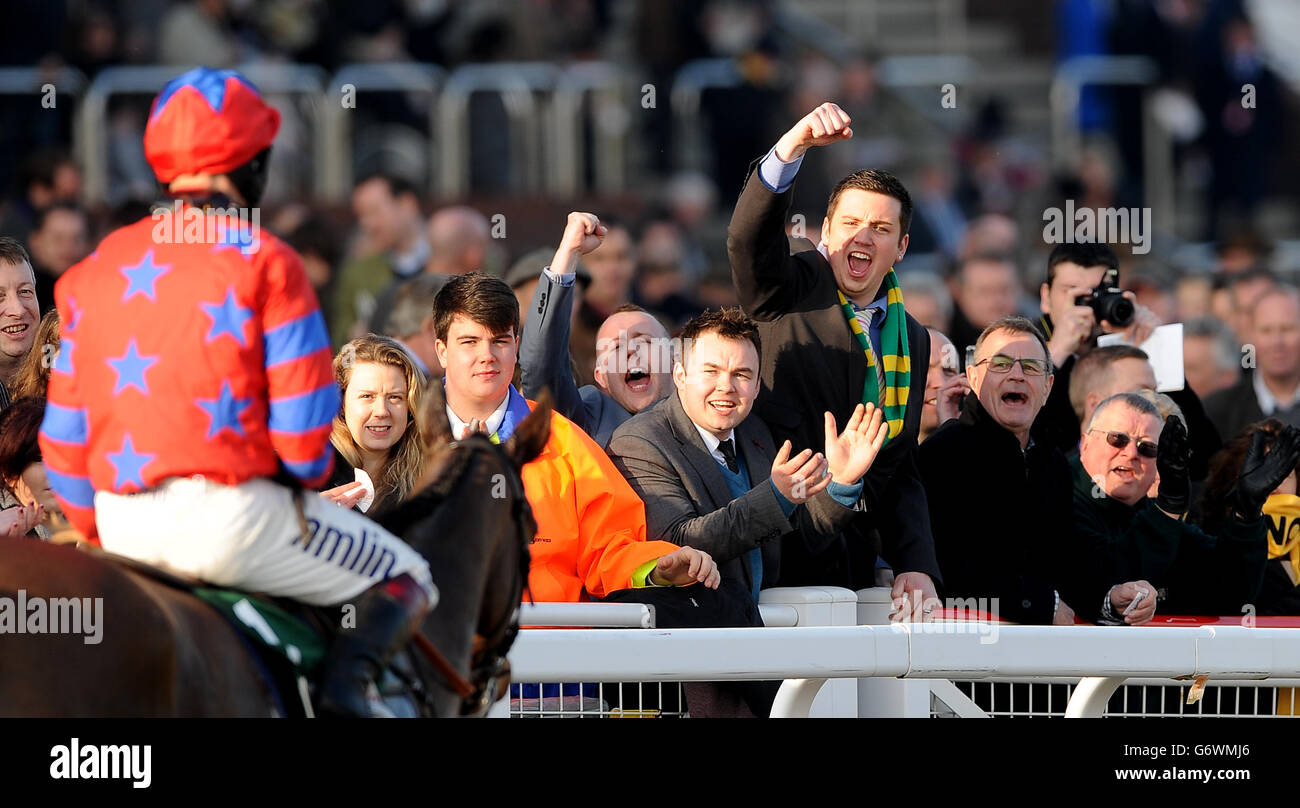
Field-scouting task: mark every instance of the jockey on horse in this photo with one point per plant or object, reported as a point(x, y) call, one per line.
point(195, 361)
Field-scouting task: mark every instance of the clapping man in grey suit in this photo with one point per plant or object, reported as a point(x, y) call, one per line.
point(633, 352)
point(713, 477)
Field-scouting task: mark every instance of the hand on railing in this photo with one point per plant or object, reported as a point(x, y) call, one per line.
point(915, 599)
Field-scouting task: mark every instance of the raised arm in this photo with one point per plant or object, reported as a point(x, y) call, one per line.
point(767, 279)
point(544, 344)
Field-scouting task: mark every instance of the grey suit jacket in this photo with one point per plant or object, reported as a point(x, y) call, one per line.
point(544, 363)
point(688, 502)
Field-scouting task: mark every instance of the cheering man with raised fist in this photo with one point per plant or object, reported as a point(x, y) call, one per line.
point(836, 335)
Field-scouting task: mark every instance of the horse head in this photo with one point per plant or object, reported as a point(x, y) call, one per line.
point(477, 549)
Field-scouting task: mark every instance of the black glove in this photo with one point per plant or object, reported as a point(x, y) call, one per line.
point(1172, 459)
point(1266, 465)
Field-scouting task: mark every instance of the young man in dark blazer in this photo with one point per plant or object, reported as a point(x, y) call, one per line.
point(832, 318)
point(712, 477)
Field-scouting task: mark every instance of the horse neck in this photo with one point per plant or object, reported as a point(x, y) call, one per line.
point(465, 540)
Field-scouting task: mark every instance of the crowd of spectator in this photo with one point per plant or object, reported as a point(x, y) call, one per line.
point(784, 403)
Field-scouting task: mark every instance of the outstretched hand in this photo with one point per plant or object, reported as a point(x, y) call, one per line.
point(826, 124)
point(850, 454)
point(684, 567)
point(799, 478)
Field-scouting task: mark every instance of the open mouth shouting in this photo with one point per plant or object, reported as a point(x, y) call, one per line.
point(1014, 399)
point(859, 264)
point(637, 380)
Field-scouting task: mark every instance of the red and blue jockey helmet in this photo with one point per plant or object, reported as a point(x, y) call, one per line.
point(207, 121)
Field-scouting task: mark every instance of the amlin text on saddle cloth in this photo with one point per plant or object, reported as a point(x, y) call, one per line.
point(36, 615)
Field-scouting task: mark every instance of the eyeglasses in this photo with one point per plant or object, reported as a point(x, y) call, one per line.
point(1001, 363)
point(1121, 439)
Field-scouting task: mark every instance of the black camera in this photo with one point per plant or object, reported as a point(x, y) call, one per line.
point(1107, 301)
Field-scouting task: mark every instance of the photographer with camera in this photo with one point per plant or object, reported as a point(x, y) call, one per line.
point(1081, 300)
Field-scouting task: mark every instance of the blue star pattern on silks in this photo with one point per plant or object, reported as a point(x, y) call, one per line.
point(130, 368)
point(63, 360)
point(228, 317)
point(74, 312)
point(224, 411)
point(211, 84)
point(127, 465)
point(142, 277)
point(235, 234)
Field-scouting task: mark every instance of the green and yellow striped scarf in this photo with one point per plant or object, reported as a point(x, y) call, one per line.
point(895, 356)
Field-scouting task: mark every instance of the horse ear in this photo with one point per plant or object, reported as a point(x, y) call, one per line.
point(437, 427)
point(531, 435)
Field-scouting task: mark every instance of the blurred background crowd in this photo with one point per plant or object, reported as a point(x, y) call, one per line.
point(1182, 106)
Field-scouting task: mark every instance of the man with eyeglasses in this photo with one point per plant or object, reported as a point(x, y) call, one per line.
point(1120, 532)
point(999, 502)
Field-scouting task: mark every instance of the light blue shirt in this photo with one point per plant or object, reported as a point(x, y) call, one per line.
point(777, 174)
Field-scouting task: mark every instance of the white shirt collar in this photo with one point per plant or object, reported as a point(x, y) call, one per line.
point(493, 422)
point(711, 442)
point(1268, 403)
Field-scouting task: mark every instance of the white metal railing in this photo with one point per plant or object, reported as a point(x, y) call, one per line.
point(910, 670)
point(334, 136)
point(807, 656)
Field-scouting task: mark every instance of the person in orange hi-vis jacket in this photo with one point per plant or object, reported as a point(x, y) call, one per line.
point(591, 529)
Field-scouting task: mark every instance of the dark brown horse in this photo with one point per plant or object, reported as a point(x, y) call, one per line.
point(162, 652)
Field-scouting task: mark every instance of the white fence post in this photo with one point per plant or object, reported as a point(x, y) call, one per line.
point(822, 606)
point(880, 697)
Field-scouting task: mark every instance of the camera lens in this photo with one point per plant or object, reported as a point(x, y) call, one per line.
point(1116, 309)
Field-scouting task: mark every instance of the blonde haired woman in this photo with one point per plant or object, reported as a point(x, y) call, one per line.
point(378, 434)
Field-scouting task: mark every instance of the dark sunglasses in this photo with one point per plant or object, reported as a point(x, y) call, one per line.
point(1121, 439)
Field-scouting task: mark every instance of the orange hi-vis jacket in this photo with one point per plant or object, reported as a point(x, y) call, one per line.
point(590, 523)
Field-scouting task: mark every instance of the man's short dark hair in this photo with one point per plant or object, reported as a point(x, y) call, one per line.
point(1016, 325)
point(1091, 369)
point(880, 182)
point(486, 300)
point(13, 252)
point(1085, 255)
point(397, 186)
point(728, 323)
